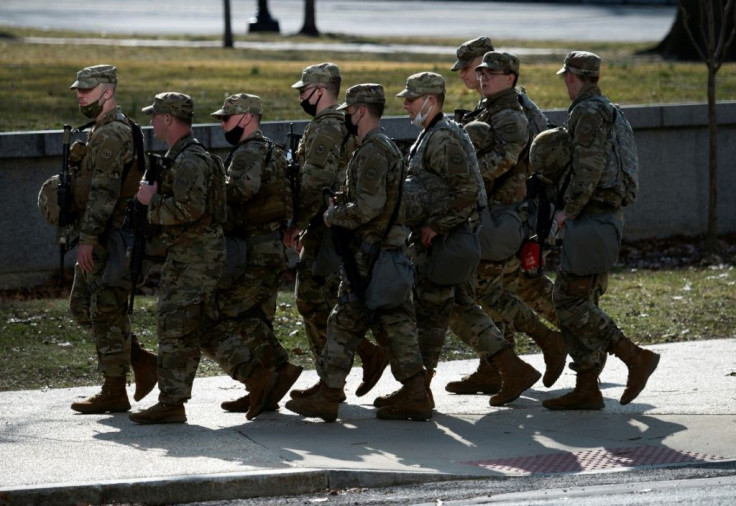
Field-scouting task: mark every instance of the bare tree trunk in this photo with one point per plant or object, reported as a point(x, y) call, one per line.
point(711, 237)
point(310, 25)
point(227, 39)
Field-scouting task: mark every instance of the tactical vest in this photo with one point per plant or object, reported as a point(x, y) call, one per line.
point(217, 194)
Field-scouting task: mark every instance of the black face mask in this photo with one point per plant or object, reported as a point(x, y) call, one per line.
point(351, 127)
point(233, 136)
point(310, 109)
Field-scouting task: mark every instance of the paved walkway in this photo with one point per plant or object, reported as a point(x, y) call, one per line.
point(50, 455)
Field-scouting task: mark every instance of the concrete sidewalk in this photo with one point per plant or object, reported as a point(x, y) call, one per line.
point(51, 455)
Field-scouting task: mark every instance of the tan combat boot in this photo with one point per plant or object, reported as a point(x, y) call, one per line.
point(374, 359)
point(485, 380)
point(517, 376)
point(160, 413)
point(112, 398)
point(641, 364)
point(288, 374)
point(307, 392)
point(412, 402)
point(553, 349)
point(323, 404)
point(145, 368)
point(586, 394)
point(388, 400)
point(260, 386)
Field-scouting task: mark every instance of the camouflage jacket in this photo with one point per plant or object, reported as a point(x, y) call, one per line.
point(503, 174)
point(589, 122)
point(442, 162)
point(180, 206)
point(374, 176)
point(323, 153)
point(247, 174)
point(109, 148)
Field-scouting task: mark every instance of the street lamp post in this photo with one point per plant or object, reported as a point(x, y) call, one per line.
point(263, 22)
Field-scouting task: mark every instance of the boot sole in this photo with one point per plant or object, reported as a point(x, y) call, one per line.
point(119, 409)
point(581, 407)
point(650, 370)
point(477, 391)
point(172, 419)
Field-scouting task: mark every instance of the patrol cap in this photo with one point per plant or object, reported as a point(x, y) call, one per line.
point(551, 153)
point(171, 102)
point(322, 73)
point(502, 62)
point(89, 77)
point(366, 93)
point(470, 50)
point(581, 63)
point(423, 83)
point(239, 103)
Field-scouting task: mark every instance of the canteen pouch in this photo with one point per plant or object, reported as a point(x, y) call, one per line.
point(591, 244)
point(236, 257)
point(501, 232)
point(454, 256)
point(118, 246)
point(392, 278)
point(326, 261)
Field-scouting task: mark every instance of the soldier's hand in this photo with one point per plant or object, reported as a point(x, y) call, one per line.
point(560, 218)
point(291, 237)
point(84, 257)
point(428, 235)
point(327, 215)
point(77, 151)
point(146, 191)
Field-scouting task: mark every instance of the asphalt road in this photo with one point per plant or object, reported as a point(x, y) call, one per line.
point(510, 20)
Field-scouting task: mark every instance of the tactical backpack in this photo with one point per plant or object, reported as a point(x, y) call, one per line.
point(217, 196)
point(273, 200)
point(622, 171)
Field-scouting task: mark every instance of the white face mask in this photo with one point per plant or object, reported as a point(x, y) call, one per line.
point(419, 118)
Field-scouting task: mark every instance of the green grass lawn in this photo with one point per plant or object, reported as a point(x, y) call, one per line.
point(43, 348)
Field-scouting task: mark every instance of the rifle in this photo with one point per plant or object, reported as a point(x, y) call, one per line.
point(135, 220)
point(292, 170)
point(64, 200)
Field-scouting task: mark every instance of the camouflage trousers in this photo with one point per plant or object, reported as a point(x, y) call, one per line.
point(246, 310)
point(347, 327)
point(511, 298)
point(186, 302)
point(102, 312)
point(587, 330)
point(315, 297)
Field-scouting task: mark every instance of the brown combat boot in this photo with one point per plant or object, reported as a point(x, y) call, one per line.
point(307, 392)
point(323, 404)
point(112, 398)
point(586, 394)
point(260, 386)
point(288, 374)
point(485, 380)
point(160, 413)
point(553, 350)
point(641, 364)
point(374, 359)
point(145, 368)
point(387, 400)
point(517, 376)
point(412, 402)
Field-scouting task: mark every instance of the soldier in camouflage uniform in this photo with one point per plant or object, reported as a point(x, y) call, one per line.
point(368, 208)
point(442, 163)
point(186, 206)
point(592, 219)
point(501, 286)
point(106, 173)
point(469, 56)
point(257, 212)
point(323, 154)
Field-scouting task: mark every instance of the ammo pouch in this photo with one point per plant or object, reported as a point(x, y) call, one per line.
point(236, 256)
point(454, 256)
point(591, 244)
point(326, 260)
point(391, 280)
point(501, 232)
point(118, 246)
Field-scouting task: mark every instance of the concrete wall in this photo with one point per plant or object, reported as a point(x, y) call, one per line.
point(673, 152)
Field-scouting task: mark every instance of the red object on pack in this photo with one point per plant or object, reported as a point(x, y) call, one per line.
point(531, 258)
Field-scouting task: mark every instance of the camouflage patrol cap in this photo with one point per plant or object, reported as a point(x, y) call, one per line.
point(581, 63)
point(551, 154)
point(423, 83)
point(171, 102)
point(502, 62)
point(240, 103)
point(470, 50)
point(89, 77)
point(480, 134)
point(367, 93)
point(322, 73)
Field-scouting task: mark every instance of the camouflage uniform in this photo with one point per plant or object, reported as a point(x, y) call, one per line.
point(442, 163)
point(323, 154)
point(256, 214)
point(103, 196)
point(183, 210)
